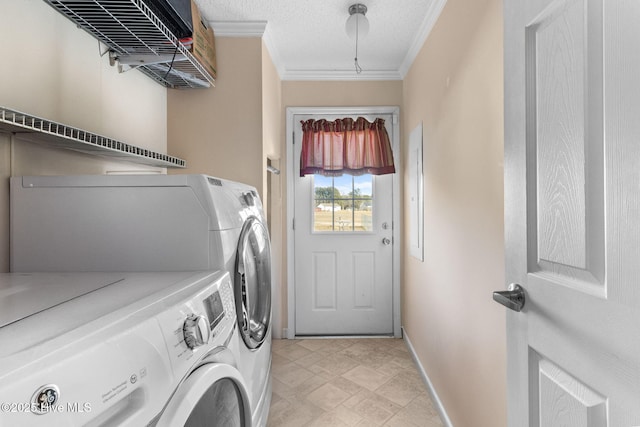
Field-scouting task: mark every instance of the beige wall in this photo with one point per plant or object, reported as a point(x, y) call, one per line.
point(52, 69)
point(272, 184)
point(219, 131)
point(341, 94)
point(271, 119)
point(455, 89)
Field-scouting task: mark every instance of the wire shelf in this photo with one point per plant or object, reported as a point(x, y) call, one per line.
point(131, 30)
point(48, 132)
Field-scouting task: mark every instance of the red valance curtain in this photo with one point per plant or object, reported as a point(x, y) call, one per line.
point(355, 147)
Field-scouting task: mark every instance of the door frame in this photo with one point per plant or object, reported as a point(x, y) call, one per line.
point(292, 112)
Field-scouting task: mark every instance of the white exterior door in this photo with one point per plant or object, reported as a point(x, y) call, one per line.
point(343, 250)
point(572, 189)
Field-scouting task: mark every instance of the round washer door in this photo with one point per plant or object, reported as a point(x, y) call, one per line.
point(214, 395)
point(253, 283)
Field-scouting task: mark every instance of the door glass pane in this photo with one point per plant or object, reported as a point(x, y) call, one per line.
point(254, 281)
point(343, 203)
point(220, 406)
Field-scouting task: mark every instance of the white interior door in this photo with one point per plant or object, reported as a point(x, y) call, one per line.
point(572, 188)
point(343, 250)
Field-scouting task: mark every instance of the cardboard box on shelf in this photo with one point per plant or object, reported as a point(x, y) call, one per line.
point(203, 47)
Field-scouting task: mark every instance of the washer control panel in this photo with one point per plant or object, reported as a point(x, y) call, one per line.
point(198, 324)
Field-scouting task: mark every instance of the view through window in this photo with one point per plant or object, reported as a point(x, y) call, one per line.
point(343, 203)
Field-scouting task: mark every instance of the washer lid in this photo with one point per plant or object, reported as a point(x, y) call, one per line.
point(23, 295)
point(93, 301)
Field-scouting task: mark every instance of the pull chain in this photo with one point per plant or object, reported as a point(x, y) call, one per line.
point(358, 67)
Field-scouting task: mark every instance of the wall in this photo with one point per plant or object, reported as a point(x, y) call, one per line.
point(272, 137)
point(54, 70)
point(271, 119)
point(219, 131)
point(454, 88)
point(341, 94)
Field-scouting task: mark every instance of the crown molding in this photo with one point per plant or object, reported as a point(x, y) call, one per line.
point(423, 33)
point(276, 58)
point(238, 28)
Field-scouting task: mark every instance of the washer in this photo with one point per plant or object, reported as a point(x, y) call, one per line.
point(127, 349)
point(155, 223)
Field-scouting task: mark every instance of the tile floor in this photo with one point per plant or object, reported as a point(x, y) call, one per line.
point(348, 382)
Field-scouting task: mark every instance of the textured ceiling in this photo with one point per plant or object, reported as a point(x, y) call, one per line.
point(307, 38)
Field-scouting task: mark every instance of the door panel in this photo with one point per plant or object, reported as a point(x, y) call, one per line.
point(563, 399)
point(564, 136)
point(555, 41)
point(363, 279)
point(572, 211)
point(324, 283)
point(343, 269)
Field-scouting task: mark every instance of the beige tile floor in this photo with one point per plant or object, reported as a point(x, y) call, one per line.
point(348, 382)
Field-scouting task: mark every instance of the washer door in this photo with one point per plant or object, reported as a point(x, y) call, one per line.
point(253, 283)
point(214, 395)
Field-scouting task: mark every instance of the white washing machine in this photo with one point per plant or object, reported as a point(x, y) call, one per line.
point(126, 349)
point(155, 223)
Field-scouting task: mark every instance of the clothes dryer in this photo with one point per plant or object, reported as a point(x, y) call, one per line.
point(252, 284)
point(155, 223)
point(126, 349)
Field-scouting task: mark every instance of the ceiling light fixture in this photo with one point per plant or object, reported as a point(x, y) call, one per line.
point(357, 26)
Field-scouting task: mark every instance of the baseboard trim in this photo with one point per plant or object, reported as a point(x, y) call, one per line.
point(340, 337)
point(427, 381)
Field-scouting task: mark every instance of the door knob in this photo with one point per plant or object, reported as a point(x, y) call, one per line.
point(512, 298)
point(386, 241)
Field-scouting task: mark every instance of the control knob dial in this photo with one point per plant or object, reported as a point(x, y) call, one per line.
point(196, 330)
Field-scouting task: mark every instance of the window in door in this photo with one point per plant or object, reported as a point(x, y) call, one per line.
point(343, 203)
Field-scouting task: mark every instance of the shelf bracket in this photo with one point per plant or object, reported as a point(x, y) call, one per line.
point(149, 59)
